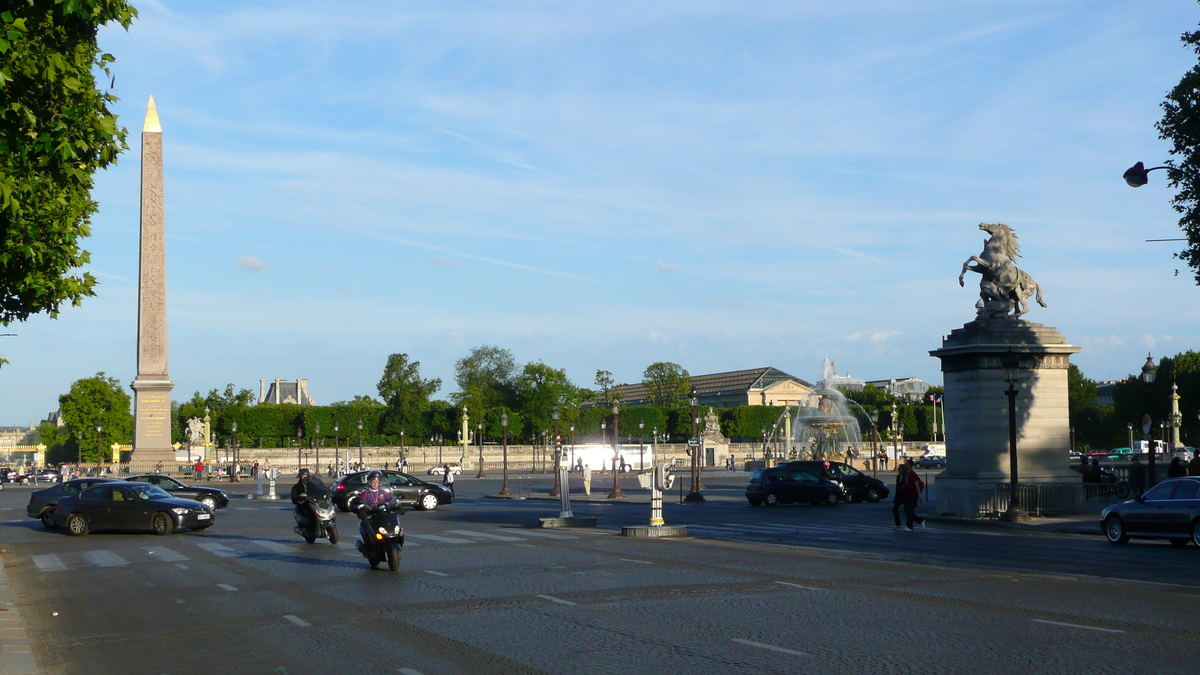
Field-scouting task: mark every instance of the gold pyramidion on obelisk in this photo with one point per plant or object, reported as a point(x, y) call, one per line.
point(152, 388)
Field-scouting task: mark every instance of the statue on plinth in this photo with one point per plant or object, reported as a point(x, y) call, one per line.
point(1003, 289)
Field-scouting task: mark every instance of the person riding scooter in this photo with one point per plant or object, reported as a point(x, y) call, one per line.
point(373, 497)
point(300, 495)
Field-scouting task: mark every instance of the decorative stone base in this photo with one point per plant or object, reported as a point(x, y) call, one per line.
point(567, 522)
point(650, 531)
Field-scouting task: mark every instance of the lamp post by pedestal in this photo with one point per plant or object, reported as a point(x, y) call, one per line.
point(360, 428)
point(234, 475)
point(693, 494)
point(616, 493)
point(479, 444)
point(1011, 363)
point(504, 491)
point(299, 445)
point(1072, 440)
point(317, 430)
point(557, 489)
point(1149, 371)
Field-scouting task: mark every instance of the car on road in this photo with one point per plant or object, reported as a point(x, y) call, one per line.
point(931, 462)
point(439, 470)
point(410, 490)
point(856, 485)
point(130, 506)
point(43, 502)
point(790, 485)
point(1169, 510)
point(213, 498)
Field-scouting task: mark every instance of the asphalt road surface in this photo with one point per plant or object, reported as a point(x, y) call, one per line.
point(480, 590)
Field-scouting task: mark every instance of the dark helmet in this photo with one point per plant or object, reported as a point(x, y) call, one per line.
point(374, 475)
point(302, 474)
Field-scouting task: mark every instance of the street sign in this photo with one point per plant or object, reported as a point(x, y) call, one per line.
point(1147, 424)
point(692, 443)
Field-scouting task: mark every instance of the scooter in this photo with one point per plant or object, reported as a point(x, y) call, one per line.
point(381, 536)
point(324, 525)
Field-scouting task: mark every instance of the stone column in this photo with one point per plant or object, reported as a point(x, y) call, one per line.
point(152, 388)
point(976, 410)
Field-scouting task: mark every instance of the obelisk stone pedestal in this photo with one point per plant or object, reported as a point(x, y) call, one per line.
point(977, 441)
point(152, 388)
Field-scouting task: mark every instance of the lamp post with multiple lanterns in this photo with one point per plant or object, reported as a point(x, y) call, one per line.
point(504, 491)
point(1149, 371)
point(616, 493)
point(557, 490)
point(694, 451)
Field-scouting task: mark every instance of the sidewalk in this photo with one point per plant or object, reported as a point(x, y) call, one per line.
point(1083, 523)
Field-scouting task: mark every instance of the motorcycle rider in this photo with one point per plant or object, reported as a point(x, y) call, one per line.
point(300, 496)
point(373, 497)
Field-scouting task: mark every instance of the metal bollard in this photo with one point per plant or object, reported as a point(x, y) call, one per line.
point(272, 496)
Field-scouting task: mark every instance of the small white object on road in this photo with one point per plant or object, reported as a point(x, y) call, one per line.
point(227, 587)
point(773, 648)
point(296, 620)
point(640, 562)
point(807, 588)
point(1076, 625)
point(436, 573)
point(560, 601)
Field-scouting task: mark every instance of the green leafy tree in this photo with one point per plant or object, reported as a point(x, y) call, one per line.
point(667, 383)
point(607, 394)
point(97, 400)
point(56, 130)
point(1180, 124)
point(540, 389)
point(486, 378)
point(406, 395)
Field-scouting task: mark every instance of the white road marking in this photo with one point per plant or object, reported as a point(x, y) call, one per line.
point(1075, 625)
point(48, 563)
point(245, 508)
point(640, 562)
point(560, 601)
point(436, 573)
point(164, 554)
point(105, 559)
point(220, 550)
point(434, 537)
point(773, 648)
point(470, 533)
point(807, 588)
point(179, 601)
point(296, 620)
point(181, 566)
point(408, 671)
point(539, 533)
point(273, 546)
point(227, 587)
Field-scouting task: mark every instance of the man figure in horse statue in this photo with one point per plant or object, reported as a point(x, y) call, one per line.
point(1003, 289)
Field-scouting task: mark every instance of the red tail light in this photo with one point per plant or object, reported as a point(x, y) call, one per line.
point(340, 487)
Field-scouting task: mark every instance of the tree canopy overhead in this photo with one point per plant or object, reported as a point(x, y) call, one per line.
point(56, 130)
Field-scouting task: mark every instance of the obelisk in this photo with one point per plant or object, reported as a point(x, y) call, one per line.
point(152, 388)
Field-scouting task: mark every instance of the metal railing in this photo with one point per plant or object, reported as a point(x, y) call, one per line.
point(1040, 499)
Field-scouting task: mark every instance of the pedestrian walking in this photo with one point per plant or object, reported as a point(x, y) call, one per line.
point(913, 487)
point(587, 479)
point(1194, 465)
point(883, 459)
point(448, 480)
point(199, 469)
point(898, 494)
point(1177, 468)
point(158, 468)
point(1137, 476)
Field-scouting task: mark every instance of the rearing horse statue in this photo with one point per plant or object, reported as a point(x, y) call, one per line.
point(1003, 288)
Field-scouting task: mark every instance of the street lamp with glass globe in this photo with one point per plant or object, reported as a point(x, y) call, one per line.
point(1149, 372)
point(694, 451)
point(233, 476)
point(299, 445)
point(479, 444)
point(557, 490)
point(1010, 362)
point(360, 454)
point(337, 446)
point(317, 430)
point(616, 493)
point(641, 445)
point(504, 491)
point(99, 446)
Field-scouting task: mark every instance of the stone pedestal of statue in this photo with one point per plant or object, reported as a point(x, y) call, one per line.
point(977, 442)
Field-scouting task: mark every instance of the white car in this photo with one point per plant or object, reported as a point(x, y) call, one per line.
point(439, 470)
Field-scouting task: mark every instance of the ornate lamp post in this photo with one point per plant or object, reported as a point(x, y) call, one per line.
point(79, 449)
point(572, 441)
point(360, 428)
point(317, 429)
point(875, 445)
point(233, 477)
point(299, 445)
point(1149, 371)
point(694, 451)
point(99, 446)
point(504, 491)
point(603, 433)
point(402, 455)
point(1011, 363)
point(337, 445)
point(642, 445)
point(616, 489)
point(557, 490)
point(479, 444)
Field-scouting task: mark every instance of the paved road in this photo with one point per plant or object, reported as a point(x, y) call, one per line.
point(832, 589)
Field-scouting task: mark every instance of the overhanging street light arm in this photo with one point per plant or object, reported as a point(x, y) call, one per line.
point(1138, 175)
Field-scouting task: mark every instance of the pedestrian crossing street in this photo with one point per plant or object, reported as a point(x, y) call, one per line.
point(182, 549)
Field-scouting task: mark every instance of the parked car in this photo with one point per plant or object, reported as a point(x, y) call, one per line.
point(43, 502)
point(1169, 510)
point(213, 498)
point(439, 470)
point(931, 462)
point(410, 490)
point(856, 485)
point(130, 506)
point(789, 485)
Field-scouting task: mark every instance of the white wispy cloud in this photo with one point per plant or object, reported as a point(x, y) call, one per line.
point(249, 262)
point(665, 267)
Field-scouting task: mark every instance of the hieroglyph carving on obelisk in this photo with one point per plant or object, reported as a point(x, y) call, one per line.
point(152, 388)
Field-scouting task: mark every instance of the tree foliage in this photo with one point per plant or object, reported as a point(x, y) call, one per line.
point(667, 383)
point(406, 394)
point(486, 378)
point(97, 400)
point(1180, 124)
point(55, 131)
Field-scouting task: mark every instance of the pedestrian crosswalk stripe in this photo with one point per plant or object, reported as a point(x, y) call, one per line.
point(164, 554)
point(273, 546)
point(497, 537)
point(48, 563)
point(537, 533)
point(104, 559)
point(296, 620)
point(227, 587)
point(437, 538)
point(220, 550)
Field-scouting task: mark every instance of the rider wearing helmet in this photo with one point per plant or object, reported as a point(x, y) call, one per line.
point(372, 498)
point(300, 494)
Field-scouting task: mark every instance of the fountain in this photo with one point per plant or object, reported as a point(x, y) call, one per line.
point(822, 428)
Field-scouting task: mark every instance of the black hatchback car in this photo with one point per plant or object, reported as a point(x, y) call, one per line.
point(130, 506)
point(858, 486)
point(409, 490)
point(1169, 510)
point(213, 498)
point(43, 502)
point(789, 485)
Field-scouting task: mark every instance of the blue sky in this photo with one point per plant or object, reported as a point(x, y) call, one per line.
point(604, 185)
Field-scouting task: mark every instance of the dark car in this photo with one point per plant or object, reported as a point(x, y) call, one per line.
point(931, 462)
point(130, 506)
point(42, 502)
point(856, 485)
point(213, 498)
point(1169, 510)
point(789, 485)
point(409, 490)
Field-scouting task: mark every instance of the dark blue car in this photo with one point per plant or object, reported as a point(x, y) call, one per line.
point(1169, 510)
point(789, 485)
